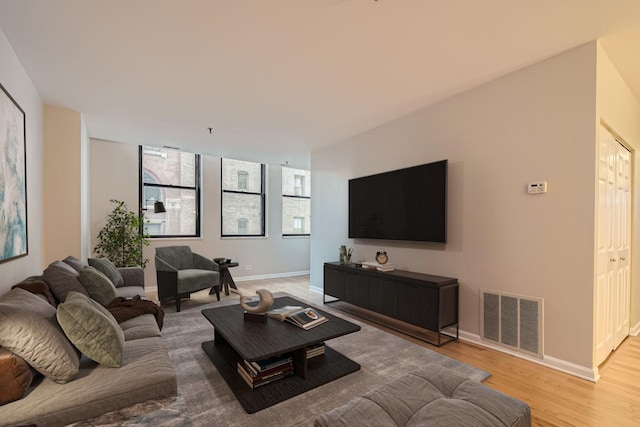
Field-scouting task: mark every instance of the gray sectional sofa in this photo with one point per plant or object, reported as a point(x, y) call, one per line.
point(84, 364)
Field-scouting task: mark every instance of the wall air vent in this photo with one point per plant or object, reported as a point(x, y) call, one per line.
point(512, 321)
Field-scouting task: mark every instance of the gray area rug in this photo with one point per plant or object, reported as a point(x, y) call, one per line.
point(205, 400)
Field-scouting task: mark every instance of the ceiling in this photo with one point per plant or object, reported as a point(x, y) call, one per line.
point(276, 79)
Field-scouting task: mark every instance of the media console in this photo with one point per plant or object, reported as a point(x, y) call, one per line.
point(423, 300)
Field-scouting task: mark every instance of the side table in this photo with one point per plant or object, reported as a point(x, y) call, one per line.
point(225, 277)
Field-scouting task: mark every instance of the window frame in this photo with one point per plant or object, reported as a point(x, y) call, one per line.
point(197, 189)
point(293, 196)
point(262, 195)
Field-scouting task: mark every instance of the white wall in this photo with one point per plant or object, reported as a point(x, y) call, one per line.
point(534, 124)
point(16, 81)
point(114, 175)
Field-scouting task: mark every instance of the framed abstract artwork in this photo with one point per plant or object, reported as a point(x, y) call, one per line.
point(13, 179)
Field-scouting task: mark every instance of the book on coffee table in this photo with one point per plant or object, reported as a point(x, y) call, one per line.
point(305, 318)
point(282, 312)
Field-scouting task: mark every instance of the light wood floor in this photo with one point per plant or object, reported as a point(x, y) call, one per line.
point(555, 398)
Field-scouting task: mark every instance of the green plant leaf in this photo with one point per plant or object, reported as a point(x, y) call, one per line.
point(121, 239)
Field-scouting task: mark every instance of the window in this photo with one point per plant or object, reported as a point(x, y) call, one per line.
point(243, 198)
point(296, 202)
point(170, 176)
point(298, 185)
point(243, 178)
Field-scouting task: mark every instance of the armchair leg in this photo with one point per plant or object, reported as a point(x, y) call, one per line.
point(178, 303)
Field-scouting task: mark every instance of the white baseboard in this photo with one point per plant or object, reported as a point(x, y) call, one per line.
point(316, 289)
point(548, 361)
point(270, 276)
point(635, 330)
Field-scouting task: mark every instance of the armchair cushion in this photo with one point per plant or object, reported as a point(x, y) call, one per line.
point(204, 263)
point(195, 280)
point(178, 257)
point(111, 271)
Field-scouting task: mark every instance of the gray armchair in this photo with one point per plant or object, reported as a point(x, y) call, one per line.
point(181, 272)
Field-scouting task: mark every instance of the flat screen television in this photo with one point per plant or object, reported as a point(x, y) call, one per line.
point(404, 204)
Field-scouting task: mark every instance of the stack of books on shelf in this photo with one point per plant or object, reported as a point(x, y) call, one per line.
point(315, 351)
point(262, 372)
point(372, 265)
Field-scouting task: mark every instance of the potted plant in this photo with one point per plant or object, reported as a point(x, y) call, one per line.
point(121, 239)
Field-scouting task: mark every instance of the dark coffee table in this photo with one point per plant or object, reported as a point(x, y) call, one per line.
point(235, 340)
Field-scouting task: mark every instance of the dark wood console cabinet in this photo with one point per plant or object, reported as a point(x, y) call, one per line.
point(423, 300)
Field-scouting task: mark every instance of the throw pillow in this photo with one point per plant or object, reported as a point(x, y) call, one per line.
point(98, 286)
point(15, 376)
point(92, 329)
point(76, 263)
point(28, 327)
point(108, 269)
point(62, 279)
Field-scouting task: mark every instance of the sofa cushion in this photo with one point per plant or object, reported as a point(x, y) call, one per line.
point(132, 276)
point(111, 271)
point(433, 396)
point(99, 287)
point(130, 292)
point(92, 329)
point(146, 373)
point(15, 376)
point(28, 327)
point(62, 278)
point(144, 326)
point(75, 263)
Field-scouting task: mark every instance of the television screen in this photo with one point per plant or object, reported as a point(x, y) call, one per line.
point(405, 204)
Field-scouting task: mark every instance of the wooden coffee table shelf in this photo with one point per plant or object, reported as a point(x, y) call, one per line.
point(235, 340)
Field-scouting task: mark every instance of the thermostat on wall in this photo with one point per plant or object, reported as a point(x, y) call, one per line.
point(537, 187)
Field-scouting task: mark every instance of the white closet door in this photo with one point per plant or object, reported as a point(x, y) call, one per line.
point(604, 245)
point(612, 293)
point(622, 283)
